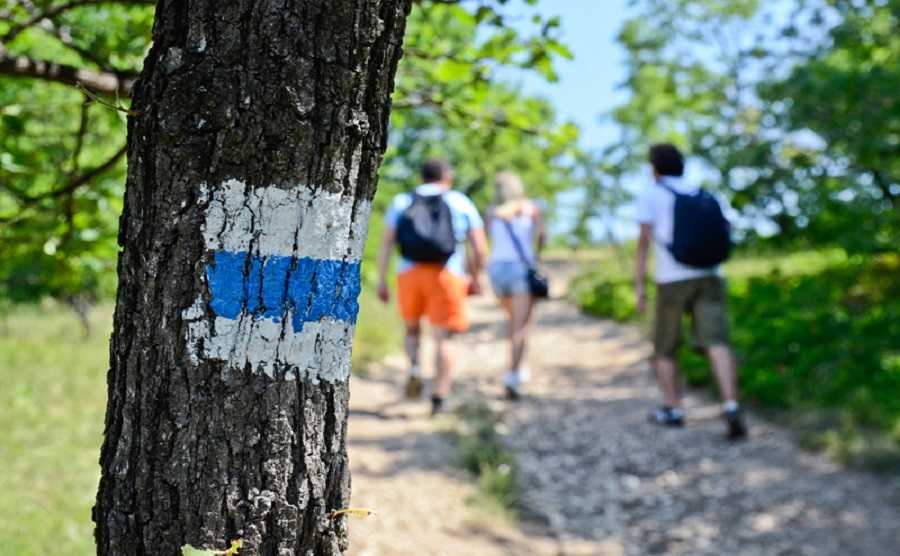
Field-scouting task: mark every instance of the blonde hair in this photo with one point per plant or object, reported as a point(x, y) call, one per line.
point(508, 187)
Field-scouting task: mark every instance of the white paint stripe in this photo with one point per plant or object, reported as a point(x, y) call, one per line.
point(319, 352)
point(270, 220)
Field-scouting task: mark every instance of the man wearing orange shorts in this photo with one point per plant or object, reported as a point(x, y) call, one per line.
point(436, 290)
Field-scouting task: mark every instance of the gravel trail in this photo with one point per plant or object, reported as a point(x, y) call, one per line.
point(597, 478)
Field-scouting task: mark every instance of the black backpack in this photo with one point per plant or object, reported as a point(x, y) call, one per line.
point(425, 230)
point(701, 236)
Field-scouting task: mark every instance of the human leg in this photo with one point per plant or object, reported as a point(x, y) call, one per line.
point(444, 361)
point(411, 343)
point(506, 305)
point(521, 306)
point(510, 283)
point(446, 308)
point(411, 302)
point(725, 369)
point(711, 327)
point(711, 331)
point(669, 381)
point(670, 301)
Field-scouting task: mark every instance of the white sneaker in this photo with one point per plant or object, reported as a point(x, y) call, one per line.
point(514, 380)
point(524, 375)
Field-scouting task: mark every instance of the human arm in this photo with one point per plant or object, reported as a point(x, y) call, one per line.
point(478, 241)
point(643, 248)
point(540, 231)
point(384, 260)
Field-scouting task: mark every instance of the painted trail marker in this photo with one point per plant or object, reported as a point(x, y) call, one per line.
point(282, 281)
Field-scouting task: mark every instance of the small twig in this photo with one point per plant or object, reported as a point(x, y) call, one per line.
point(111, 106)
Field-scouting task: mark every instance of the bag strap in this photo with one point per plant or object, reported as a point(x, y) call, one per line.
point(668, 188)
point(512, 235)
point(671, 190)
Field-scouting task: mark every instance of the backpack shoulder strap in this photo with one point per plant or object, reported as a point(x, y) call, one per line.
point(667, 188)
point(512, 235)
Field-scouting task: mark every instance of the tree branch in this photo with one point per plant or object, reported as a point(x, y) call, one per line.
point(80, 180)
point(98, 82)
point(79, 137)
point(71, 185)
point(56, 10)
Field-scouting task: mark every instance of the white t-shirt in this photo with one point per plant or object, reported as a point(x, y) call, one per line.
point(656, 207)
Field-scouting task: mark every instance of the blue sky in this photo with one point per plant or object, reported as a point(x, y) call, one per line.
point(588, 85)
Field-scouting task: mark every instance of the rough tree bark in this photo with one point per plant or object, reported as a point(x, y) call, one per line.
point(252, 160)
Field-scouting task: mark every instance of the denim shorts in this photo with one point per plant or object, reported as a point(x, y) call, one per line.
point(508, 278)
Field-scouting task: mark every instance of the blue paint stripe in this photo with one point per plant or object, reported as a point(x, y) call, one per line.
point(272, 287)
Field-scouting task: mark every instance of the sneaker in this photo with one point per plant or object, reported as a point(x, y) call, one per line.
point(513, 394)
point(414, 387)
point(524, 375)
point(512, 382)
point(734, 420)
point(668, 417)
point(437, 405)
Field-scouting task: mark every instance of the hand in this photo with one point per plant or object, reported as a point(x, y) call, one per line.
point(474, 287)
point(384, 293)
point(641, 299)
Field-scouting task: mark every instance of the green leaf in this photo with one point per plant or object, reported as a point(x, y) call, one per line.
point(188, 550)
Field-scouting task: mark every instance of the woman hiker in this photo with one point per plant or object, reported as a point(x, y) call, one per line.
point(517, 235)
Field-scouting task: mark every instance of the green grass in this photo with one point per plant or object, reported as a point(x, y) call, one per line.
point(379, 331)
point(482, 454)
point(52, 406)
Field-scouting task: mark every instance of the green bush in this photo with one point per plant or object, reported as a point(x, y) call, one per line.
point(612, 299)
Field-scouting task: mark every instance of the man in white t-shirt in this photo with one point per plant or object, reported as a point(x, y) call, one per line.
point(681, 290)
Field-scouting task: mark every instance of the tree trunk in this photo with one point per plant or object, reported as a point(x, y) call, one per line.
point(252, 162)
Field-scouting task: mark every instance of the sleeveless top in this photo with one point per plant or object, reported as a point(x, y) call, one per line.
point(502, 247)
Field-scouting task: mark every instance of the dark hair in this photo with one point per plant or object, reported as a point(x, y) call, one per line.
point(435, 169)
point(667, 160)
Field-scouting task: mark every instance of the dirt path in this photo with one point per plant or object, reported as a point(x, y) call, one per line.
point(597, 478)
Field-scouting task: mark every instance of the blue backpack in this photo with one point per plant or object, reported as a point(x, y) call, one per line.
point(702, 235)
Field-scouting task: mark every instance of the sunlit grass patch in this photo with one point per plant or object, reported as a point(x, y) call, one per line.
point(378, 331)
point(483, 454)
point(52, 407)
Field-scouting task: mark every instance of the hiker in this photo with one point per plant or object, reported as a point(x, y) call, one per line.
point(431, 226)
point(517, 235)
point(691, 238)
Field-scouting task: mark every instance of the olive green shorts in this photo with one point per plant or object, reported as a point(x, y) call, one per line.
point(703, 299)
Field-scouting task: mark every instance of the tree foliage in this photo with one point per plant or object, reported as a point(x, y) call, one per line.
point(66, 71)
point(61, 154)
point(790, 107)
